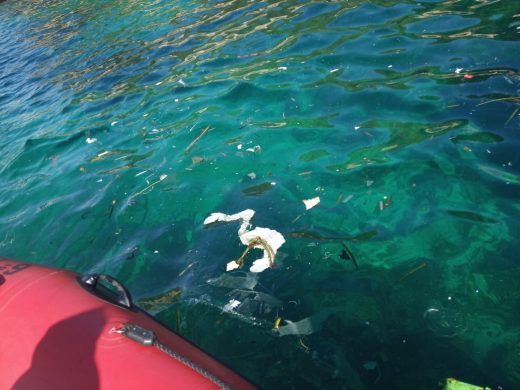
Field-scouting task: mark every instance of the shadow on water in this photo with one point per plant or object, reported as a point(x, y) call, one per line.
point(64, 358)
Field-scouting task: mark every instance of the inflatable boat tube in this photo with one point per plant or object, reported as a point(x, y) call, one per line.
point(59, 330)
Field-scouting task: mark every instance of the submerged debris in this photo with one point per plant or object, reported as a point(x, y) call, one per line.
point(414, 270)
point(231, 305)
point(276, 326)
point(471, 216)
point(258, 189)
point(346, 254)
point(306, 326)
point(383, 204)
point(208, 128)
point(161, 300)
point(161, 178)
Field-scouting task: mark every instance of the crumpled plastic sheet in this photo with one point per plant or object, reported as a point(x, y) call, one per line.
point(247, 282)
point(306, 326)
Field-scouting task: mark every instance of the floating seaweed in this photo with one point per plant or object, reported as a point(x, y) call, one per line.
point(208, 128)
point(258, 189)
point(311, 235)
point(413, 270)
point(481, 136)
point(471, 216)
point(161, 300)
point(346, 254)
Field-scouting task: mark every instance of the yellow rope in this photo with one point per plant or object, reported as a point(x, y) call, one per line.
point(254, 242)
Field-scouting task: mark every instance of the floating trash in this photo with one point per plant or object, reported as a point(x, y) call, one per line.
point(231, 305)
point(306, 326)
point(260, 238)
point(445, 322)
point(310, 203)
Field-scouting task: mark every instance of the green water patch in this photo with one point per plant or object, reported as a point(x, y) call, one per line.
point(482, 137)
point(471, 216)
point(401, 135)
point(500, 174)
point(313, 155)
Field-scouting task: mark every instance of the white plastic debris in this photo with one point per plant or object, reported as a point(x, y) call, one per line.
point(273, 238)
point(333, 70)
point(231, 305)
point(306, 326)
point(90, 140)
point(282, 68)
point(348, 198)
point(252, 175)
point(232, 265)
point(113, 123)
point(458, 70)
point(256, 149)
point(239, 146)
point(310, 203)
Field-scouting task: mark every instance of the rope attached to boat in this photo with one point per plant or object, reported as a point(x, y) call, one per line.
point(147, 338)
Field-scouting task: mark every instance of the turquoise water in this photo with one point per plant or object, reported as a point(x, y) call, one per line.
point(402, 116)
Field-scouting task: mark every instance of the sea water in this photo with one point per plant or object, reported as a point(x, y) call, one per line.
point(124, 124)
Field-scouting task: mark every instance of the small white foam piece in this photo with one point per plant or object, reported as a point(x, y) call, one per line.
point(113, 123)
point(310, 203)
point(90, 140)
point(232, 265)
point(256, 149)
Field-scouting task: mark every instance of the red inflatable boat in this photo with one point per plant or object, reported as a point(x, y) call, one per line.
point(59, 330)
